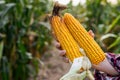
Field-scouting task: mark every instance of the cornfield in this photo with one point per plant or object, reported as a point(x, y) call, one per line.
point(25, 34)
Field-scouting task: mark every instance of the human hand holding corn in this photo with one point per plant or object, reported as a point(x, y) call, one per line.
point(72, 36)
point(105, 66)
point(62, 52)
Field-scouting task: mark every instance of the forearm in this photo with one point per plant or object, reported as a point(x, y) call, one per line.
point(106, 67)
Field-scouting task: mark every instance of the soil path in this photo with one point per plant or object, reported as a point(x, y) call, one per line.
point(54, 66)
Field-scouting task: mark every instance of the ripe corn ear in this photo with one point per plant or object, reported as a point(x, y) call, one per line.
point(85, 41)
point(65, 38)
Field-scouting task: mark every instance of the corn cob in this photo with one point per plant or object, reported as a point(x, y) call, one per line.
point(65, 38)
point(92, 49)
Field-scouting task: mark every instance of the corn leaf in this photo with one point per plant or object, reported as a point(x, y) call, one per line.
point(116, 42)
point(1, 49)
point(113, 24)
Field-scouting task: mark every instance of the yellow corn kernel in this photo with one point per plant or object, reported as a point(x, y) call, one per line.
point(65, 38)
point(85, 41)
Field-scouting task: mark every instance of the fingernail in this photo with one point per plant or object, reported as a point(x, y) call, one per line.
point(67, 60)
point(62, 52)
point(57, 45)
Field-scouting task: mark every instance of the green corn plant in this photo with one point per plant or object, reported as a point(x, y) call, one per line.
point(24, 37)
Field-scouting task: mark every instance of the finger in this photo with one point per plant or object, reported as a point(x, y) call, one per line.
point(54, 35)
point(106, 54)
point(57, 44)
point(62, 53)
point(91, 33)
point(66, 60)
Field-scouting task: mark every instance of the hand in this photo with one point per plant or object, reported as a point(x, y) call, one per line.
point(104, 66)
point(63, 52)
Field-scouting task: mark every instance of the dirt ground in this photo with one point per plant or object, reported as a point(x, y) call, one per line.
point(54, 66)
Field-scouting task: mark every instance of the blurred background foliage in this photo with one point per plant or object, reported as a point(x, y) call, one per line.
point(25, 32)
point(24, 37)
